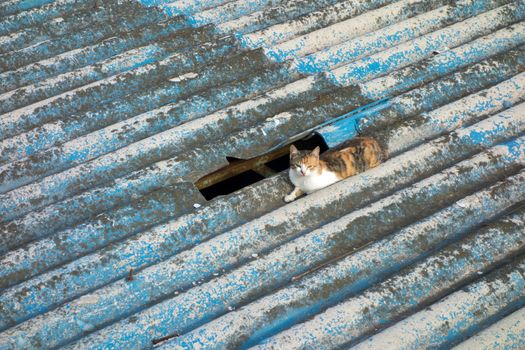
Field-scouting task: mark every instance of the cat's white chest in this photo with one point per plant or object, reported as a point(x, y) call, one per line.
point(312, 182)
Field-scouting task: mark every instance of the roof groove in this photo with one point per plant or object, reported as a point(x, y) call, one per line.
point(500, 290)
point(110, 112)
point(75, 39)
point(197, 260)
point(332, 283)
point(88, 55)
point(16, 21)
point(507, 332)
point(116, 86)
point(269, 16)
point(179, 262)
point(310, 22)
point(461, 261)
point(12, 192)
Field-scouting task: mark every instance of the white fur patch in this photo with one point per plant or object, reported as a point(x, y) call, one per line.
point(312, 182)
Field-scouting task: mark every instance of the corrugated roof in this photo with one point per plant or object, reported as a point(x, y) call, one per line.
point(111, 111)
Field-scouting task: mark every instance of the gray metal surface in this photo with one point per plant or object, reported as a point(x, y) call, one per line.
point(111, 111)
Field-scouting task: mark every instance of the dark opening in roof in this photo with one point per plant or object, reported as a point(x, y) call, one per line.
point(244, 172)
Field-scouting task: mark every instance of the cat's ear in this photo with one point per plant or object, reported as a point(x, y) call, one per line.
point(293, 151)
point(316, 151)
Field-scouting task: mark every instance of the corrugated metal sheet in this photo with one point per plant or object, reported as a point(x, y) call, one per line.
point(112, 110)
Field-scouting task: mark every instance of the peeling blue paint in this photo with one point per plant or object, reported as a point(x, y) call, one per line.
point(348, 125)
point(111, 111)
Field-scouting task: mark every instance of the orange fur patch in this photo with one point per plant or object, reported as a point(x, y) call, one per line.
point(352, 157)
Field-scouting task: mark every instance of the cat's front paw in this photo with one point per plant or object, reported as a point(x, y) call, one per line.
point(289, 198)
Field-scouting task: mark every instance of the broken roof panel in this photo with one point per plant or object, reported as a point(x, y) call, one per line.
point(111, 112)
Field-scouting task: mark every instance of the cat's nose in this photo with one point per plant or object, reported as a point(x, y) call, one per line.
point(302, 172)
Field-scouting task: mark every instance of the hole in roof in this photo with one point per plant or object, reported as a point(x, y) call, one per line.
point(241, 173)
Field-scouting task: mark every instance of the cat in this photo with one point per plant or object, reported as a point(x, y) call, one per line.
point(310, 172)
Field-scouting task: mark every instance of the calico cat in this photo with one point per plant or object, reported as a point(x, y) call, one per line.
point(310, 172)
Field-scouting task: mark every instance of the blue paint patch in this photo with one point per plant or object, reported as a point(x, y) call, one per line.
point(57, 193)
point(348, 125)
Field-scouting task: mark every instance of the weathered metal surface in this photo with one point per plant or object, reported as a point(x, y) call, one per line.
point(508, 333)
point(422, 283)
point(458, 315)
point(430, 96)
point(111, 111)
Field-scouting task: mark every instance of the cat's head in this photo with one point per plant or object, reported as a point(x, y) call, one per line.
point(304, 162)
